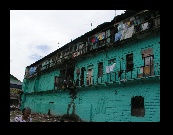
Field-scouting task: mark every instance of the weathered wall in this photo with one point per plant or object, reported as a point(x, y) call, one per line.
point(102, 103)
point(119, 53)
point(111, 103)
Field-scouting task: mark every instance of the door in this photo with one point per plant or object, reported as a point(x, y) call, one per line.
point(89, 77)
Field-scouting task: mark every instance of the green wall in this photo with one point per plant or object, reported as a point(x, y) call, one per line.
point(106, 102)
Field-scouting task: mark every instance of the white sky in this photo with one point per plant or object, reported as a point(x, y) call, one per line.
point(36, 33)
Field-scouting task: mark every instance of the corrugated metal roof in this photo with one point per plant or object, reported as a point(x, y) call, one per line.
point(14, 82)
point(14, 79)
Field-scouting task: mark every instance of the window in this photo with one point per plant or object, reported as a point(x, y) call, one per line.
point(89, 75)
point(148, 61)
point(58, 82)
point(129, 62)
point(75, 47)
point(26, 72)
point(38, 69)
point(100, 69)
point(137, 106)
point(77, 77)
point(147, 56)
point(66, 53)
point(77, 80)
point(53, 60)
point(106, 35)
point(82, 76)
point(111, 61)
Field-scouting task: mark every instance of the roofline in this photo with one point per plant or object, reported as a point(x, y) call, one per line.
point(18, 83)
point(129, 13)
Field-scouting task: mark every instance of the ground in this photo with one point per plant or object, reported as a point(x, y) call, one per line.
point(38, 117)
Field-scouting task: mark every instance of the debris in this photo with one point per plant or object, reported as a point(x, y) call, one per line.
point(38, 117)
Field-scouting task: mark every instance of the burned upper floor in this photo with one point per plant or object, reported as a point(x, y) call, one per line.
point(127, 27)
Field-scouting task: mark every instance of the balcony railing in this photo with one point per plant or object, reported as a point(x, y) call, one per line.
point(125, 75)
point(140, 72)
point(150, 24)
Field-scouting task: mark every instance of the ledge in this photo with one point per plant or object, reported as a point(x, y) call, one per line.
point(118, 83)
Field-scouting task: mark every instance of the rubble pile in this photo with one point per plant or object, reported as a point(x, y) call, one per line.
point(13, 107)
point(39, 117)
point(71, 118)
point(14, 113)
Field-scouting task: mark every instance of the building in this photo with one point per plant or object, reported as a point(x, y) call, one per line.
point(110, 74)
point(15, 91)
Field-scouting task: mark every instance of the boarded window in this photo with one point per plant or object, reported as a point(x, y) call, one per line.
point(129, 62)
point(137, 106)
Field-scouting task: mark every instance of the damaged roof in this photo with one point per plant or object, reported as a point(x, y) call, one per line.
point(84, 37)
point(14, 80)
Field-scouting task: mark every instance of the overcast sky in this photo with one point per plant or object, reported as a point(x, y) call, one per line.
point(36, 33)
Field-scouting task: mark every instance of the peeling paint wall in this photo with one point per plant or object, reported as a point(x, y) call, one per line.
point(109, 102)
point(103, 103)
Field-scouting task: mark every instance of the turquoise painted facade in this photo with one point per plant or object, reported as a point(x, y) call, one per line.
point(112, 81)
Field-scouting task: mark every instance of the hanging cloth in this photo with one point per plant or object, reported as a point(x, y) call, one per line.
point(111, 68)
point(107, 69)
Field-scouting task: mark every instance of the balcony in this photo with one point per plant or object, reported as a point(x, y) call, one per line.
point(140, 30)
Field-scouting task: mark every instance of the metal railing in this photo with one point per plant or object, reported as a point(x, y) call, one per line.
point(152, 23)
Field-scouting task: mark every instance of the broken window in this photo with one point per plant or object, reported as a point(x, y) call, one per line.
point(82, 76)
point(148, 57)
point(75, 51)
point(52, 61)
point(102, 38)
point(38, 69)
point(106, 34)
point(59, 57)
point(58, 82)
point(80, 46)
point(32, 70)
point(75, 48)
point(66, 53)
point(26, 72)
point(77, 80)
point(137, 24)
point(129, 62)
point(157, 22)
point(112, 36)
point(100, 69)
point(84, 48)
point(69, 81)
point(70, 49)
point(137, 106)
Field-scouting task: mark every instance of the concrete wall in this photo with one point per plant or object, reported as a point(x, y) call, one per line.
point(109, 102)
